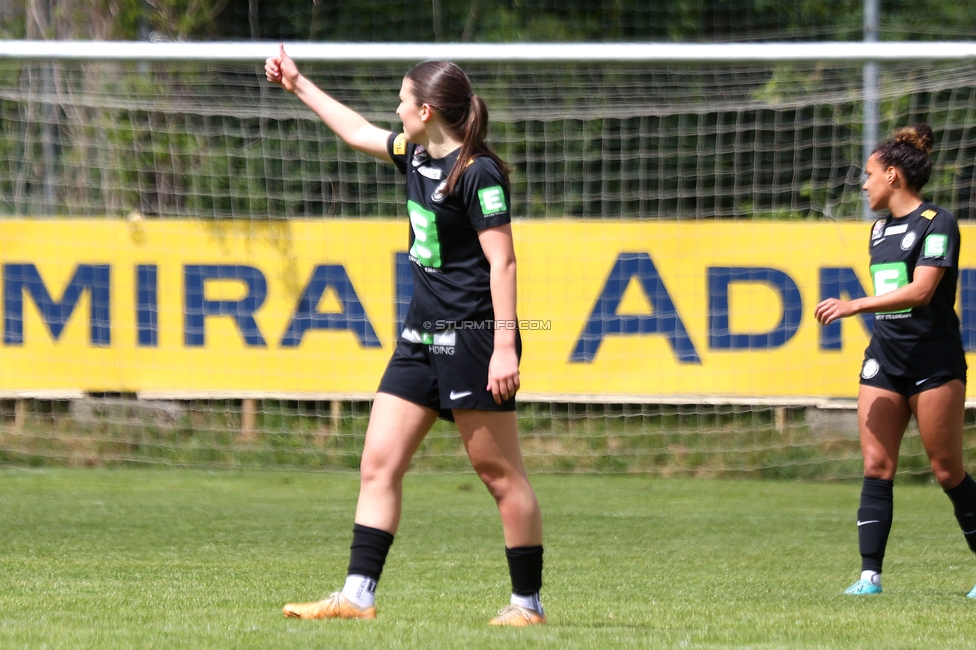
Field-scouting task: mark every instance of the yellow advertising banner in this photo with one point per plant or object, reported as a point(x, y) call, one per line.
point(615, 310)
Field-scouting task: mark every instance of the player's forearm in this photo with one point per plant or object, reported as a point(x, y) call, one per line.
point(503, 298)
point(907, 297)
point(346, 123)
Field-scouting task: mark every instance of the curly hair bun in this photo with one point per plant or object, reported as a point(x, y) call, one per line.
point(919, 136)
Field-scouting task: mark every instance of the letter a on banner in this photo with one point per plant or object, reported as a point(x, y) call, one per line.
point(352, 317)
point(605, 321)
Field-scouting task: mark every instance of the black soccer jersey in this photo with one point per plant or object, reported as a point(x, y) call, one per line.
point(450, 270)
point(924, 341)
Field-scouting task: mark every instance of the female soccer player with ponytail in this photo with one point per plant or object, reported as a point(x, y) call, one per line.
point(914, 364)
point(458, 355)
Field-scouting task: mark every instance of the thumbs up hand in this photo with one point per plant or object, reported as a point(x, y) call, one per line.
point(282, 70)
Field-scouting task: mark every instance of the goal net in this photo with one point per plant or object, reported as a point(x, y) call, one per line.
point(194, 270)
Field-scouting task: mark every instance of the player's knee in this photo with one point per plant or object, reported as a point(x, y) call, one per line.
point(494, 482)
point(376, 468)
point(495, 477)
point(948, 474)
point(880, 467)
point(509, 488)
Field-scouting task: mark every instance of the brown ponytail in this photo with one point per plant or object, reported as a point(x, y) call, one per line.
point(445, 88)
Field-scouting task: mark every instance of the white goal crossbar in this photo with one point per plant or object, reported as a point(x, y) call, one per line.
point(850, 52)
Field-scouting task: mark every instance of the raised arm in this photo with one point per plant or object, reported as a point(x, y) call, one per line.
point(346, 123)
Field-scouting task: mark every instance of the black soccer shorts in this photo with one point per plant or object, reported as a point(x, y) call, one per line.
point(873, 374)
point(445, 370)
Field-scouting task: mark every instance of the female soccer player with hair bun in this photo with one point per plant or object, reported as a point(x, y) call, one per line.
point(458, 355)
point(914, 364)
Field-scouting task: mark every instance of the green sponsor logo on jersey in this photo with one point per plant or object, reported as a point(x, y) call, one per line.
point(887, 278)
point(936, 245)
point(426, 246)
point(492, 200)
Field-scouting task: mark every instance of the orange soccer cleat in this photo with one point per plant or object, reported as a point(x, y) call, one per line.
point(335, 606)
point(518, 616)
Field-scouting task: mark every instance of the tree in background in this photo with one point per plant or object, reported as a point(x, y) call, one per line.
point(481, 20)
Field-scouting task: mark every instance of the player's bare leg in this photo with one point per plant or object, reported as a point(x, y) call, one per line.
point(941, 414)
point(491, 441)
point(396, 428)
point(882, 418)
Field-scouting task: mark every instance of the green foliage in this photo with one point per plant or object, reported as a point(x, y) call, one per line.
point(479, 20)
point(129, 15)
point(906, 20)
point(675, 144)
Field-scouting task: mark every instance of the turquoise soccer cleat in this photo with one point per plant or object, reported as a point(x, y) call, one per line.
point(971, 594)
point(865, 588)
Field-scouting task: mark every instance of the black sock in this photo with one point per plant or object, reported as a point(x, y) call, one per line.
point(368, 551)
point(874, 521)
point(963, 498)
point(525, 568)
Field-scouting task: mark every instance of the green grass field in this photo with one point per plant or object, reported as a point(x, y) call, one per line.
point(95, 558)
